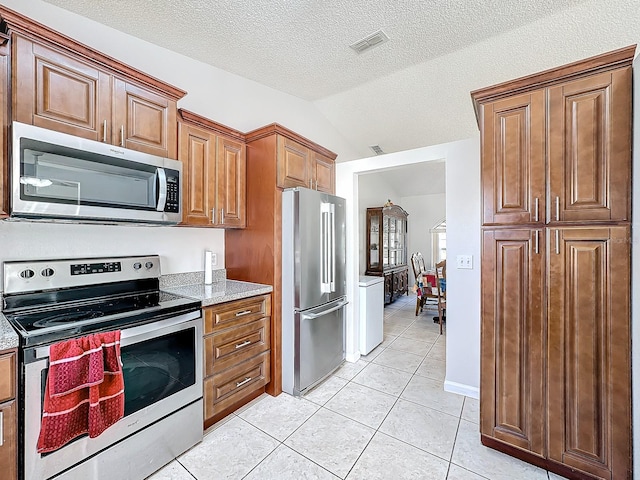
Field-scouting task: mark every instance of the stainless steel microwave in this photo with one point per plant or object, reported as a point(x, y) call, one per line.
point(57, 176)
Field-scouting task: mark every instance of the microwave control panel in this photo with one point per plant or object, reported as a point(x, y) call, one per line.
point(173, 194)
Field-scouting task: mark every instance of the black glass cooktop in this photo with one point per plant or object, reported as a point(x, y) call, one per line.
point(47, 321)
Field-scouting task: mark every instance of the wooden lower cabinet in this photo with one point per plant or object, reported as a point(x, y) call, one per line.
point(8, 416)
point(512, 368)
point(396, 284)
point(556, 351)
point(237, 349)
point(589, 351)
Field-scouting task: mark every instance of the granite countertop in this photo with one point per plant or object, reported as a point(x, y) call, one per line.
point(220, 292)
point(8, 336)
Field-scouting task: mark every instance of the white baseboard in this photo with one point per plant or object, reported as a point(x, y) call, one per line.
point(352, 357)
point(462, 389)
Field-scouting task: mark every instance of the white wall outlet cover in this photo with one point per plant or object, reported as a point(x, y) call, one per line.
point(214, 259)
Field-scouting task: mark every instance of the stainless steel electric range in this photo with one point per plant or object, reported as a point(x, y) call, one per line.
point(161, 347)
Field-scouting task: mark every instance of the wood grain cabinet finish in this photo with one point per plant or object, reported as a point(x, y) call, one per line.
point(214, 173)
point(301, 166)
point(513, 337)
point(589, 350)
point(60, 84)
point(555, 345)
point(8, 416)
point(5, 99)
point(254, 254)
point(581, 130)
point(237, 342)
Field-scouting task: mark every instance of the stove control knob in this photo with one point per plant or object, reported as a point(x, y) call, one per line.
point(27, 273)
point(137, 266)
point(148, 265)
point(47, 272)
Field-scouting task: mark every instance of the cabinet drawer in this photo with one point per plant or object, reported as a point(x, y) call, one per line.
point(7, 376)
point(236, 313)
point(235, 345)
point(226, 388)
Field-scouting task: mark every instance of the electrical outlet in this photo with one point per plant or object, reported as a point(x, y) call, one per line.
point(214, 259)
point(464, 261)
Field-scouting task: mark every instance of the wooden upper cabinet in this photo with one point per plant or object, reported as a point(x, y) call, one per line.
point(214, 173)
point(144, 120)
point(58, 91)
point(231, 182)
point(513, 159)
point(294, 164)
point(512, 379)
point(576, 120)
point(197, 152)
point(60, 84)
point(589, 350)
point(589, 133)
point(4, 125)
point(324, 173)
point(300, 162)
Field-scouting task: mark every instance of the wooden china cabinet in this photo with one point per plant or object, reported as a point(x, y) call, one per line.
point(555, 387)
point(387, 249)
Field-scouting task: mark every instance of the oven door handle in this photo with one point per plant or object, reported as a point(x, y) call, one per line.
point(141, 332)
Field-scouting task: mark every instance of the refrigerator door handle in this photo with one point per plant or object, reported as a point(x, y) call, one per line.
point(332, 248)
point(325, 279)
point(324, 312)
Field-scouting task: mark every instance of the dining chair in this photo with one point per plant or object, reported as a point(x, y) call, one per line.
point(441, 282)
point(424, 290)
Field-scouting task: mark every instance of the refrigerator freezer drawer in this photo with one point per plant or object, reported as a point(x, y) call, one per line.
point(318, 347)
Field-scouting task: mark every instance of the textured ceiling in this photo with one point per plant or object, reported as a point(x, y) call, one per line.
point(409, 92)
point(302, 46)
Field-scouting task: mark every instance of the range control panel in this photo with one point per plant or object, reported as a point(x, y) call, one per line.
point(27, 276)
point(90, 268)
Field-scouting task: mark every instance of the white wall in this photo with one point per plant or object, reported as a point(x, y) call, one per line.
point(425, 212)
point(181, 249)
point(463, 237)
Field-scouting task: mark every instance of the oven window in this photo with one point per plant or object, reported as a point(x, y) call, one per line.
point(157, 368)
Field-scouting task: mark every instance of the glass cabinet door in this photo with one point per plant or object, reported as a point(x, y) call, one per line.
point(386, 241)
point(374, 238)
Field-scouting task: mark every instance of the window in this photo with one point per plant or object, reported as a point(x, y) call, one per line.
point(438, 243)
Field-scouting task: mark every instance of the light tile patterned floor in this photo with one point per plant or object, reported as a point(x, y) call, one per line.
point(385, 417)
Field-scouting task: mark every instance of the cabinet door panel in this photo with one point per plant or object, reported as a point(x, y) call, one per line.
point(9, 447)
point(293, 164)
point(197, 153)
point(231, 182)
point(513, 160)
point(589, 350)
point(143, 120)
point(56, 91)
point(324, 173)
point(512, 372)
point(590, 148)
point(4, 122)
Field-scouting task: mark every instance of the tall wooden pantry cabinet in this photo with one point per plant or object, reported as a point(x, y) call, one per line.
point(555, 387)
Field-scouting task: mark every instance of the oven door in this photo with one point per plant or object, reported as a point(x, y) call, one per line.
point(162, 367)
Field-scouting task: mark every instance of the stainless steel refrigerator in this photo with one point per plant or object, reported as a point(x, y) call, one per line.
point(313, 287)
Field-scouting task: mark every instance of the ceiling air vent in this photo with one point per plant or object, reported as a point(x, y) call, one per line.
point(369, 41)
point(376, 149)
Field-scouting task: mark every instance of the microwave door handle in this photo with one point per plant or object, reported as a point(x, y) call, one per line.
point(162, 190)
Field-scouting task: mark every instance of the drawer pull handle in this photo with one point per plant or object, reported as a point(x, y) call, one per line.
point(244, 312)
point(1, 429)
point(246, 380)
point(243, 344)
